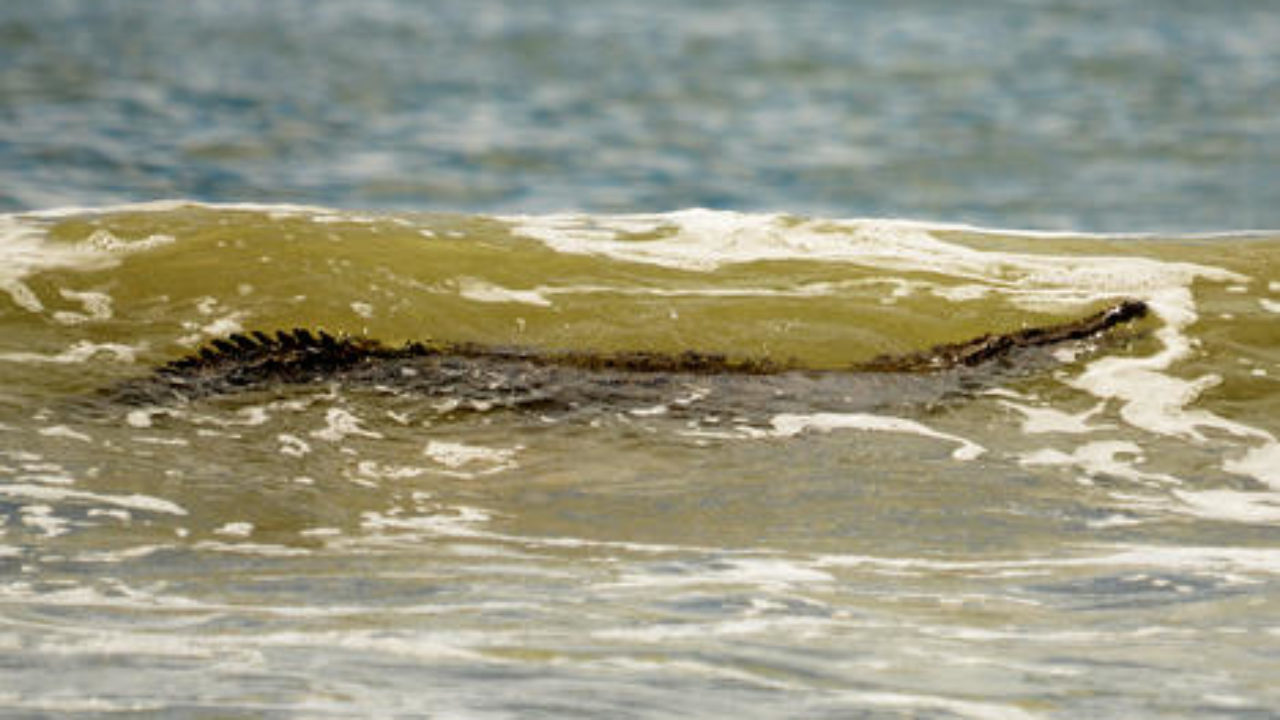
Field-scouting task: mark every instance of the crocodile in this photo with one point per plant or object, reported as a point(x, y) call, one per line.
point(474, 376)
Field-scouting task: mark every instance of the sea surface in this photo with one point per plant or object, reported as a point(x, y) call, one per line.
point(1049, 114)
point(1093, 532)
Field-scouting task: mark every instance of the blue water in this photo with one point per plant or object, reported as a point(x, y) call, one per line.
point(1082, 114)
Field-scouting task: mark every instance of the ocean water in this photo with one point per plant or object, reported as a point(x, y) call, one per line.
point(1090, 532)
point(1048, 114)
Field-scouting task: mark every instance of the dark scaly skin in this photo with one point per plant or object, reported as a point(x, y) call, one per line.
point(994, 346)
point(513, 377)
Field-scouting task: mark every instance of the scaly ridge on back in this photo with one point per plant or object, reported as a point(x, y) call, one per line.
point(240, 361)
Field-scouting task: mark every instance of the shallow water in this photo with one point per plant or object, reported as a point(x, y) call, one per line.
point(1087, 533)
point(1092, 536)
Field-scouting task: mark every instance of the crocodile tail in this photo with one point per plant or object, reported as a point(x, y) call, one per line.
point(986, 348)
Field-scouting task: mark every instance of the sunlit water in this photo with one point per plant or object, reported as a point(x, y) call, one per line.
point(1090, 535)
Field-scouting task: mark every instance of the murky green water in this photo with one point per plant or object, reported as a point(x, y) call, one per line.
point(1092, 536)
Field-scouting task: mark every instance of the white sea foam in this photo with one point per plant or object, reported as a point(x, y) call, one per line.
point(375, 470)
point(47, 473)
point(1196, 558)
point(24, 251)
point(1253, 507)
point(55, 494)
point(1116, 458)
point(480, 291)
point(41, 517)
point(249, 548)
point(141, 417)
point(1226, 561)
point(235, 529)
point(341, 424)
point(1038, 420)
point(103, 240)
point(1261, 463)
point(704, 240)
point(79, 352)
point(469, 461)
point(232, 322)
point(452, 521)
point(788, 425)
point(97, 306)
point(62, 431)
point(1152, 399)
point(161, 440)
point(1229, 505)
point(434, 520)
point(293, 445)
